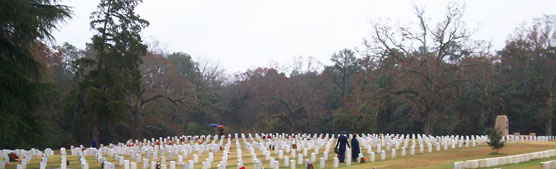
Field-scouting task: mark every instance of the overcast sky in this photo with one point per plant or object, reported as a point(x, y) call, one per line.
point(243, 34)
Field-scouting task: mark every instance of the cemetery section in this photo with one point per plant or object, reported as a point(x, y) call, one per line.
point(276, 151)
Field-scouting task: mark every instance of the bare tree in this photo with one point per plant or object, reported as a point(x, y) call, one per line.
point(426, 58)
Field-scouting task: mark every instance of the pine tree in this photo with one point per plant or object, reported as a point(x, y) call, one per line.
point(23, 23)
point(114, 71)
point(495, 137)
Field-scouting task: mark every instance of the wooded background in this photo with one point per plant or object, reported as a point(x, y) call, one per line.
point(429, 77)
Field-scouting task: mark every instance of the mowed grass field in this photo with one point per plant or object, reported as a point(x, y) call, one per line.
point(435, 160)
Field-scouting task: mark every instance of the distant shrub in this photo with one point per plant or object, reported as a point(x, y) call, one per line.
point(495, 137)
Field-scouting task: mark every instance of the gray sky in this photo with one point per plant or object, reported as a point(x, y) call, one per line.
point(243, 34)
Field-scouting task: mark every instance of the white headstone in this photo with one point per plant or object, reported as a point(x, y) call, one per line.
point(172, 165)
point(335, 162)
point(126, 164)
point(321, 166)
point(393, 153)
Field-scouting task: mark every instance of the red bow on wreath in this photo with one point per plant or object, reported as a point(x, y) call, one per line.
point(13, 157)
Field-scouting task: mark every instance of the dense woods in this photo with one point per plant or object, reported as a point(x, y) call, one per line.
point(430, 77)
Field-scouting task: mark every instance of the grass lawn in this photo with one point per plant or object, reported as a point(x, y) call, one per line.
point(434, 160)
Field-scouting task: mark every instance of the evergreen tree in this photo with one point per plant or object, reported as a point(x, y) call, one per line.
point(495, 137)
point(113, 73)
point(22, 24)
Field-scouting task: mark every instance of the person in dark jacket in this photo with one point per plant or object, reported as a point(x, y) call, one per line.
point(342, 143)
point(93, 143)
point(355, 148)
point(220, 131)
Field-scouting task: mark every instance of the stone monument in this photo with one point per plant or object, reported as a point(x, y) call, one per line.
point(501, 124)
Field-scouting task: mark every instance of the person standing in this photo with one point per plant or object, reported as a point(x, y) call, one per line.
point(93, 143)
point(220, 131)
point(341, 145)
point(355, 148)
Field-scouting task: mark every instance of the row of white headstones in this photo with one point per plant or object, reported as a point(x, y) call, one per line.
point(512, 159)
point(161, 150)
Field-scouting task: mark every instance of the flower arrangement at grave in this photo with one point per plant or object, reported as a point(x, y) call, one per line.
point(158, 165)
point(294, 146)
point(362, 160)
point(310, 166)
point(242, 167)
point(13, 157)
point(221, 148)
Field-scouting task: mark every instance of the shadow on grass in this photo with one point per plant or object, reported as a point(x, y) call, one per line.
point(497, 153)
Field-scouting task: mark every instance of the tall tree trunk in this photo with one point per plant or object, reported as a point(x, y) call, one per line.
point(428, 122)
point(549, 114)
point(292, 124)
point(344, 85)
point(135, 114)
point(100, 59)
point(548, 126)
point(185, 123)
point(135, 124)
point(95, 133)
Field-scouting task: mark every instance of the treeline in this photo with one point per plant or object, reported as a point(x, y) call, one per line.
point(431, 78)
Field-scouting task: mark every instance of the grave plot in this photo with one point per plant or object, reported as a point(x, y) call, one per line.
point(259, 150)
